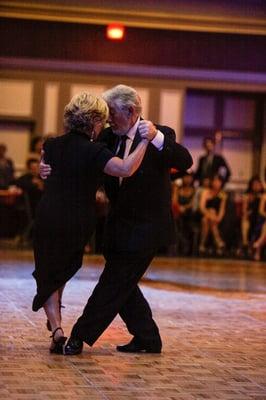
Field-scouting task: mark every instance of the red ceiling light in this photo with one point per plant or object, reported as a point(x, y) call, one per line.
point(115, 31)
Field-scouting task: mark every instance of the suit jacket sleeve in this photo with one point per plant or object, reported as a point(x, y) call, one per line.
point(197, 174)
point(174, 155)
point(224, 164)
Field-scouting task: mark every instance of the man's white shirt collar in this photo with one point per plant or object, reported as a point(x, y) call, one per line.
point(133, 130)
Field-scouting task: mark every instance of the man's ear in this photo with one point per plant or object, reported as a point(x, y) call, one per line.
point(130, 111)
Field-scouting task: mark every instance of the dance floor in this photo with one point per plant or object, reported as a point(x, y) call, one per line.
point(212, 317)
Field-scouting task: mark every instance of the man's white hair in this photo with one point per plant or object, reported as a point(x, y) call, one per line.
point(123, 97)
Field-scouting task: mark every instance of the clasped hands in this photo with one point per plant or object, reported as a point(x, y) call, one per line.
point(44, 169)
point(147, 130)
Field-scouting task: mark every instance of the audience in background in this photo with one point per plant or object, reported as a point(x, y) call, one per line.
point(182, 203)
point(211, 163)
point(260, 243)
point(250, 214)
point(205, 184)
point(212, 207)
point(36, 147)
point(31, 184)
point(207, 218)
point(6, 168)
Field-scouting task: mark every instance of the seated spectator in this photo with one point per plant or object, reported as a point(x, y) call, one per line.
point(211, 163)
point(261, 240)
point(205, 184)
point(36, 147)
point(31, 184)
point(250, 214)
point(6, 168)
point(212, 207)
point(182, 202)
point(32, 187)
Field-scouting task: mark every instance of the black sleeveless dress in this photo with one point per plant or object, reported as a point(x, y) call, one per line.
point(65, 218)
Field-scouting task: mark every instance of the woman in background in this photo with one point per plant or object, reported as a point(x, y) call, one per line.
point(250, 214)
point(261, 240)
point(212, 207)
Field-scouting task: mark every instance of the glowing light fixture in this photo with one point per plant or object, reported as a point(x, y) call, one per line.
point(115, 31)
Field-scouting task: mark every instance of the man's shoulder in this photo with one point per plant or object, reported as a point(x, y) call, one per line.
point(164, 129)
point(218, 157)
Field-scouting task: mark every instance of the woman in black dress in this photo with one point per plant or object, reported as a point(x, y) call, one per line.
point(65, 217)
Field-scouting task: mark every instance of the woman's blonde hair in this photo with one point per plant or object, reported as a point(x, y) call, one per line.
point(83, 111)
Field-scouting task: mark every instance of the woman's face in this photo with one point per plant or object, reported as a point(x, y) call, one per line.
point(187, 180)
point(38, 145)
point(216, 184)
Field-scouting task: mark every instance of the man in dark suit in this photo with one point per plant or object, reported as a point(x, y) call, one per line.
point(139, 222)
point(211, 163)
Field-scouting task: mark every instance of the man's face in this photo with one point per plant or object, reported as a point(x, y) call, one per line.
point(120, 120)
point(34, 168)
point(209, 146)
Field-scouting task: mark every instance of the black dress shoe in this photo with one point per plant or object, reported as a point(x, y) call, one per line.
point(73, 347)
point(138, 346)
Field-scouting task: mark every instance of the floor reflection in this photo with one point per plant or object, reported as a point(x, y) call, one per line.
point(216, 274)
point(211, 274)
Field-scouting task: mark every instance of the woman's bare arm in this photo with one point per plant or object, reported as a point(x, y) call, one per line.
point(203, 201)
point(221, 211)
point(262, 206)
point(125, 168)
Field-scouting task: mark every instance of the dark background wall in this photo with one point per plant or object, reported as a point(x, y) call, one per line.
point(80, 42)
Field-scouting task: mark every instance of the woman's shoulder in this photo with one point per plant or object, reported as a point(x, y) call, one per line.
point(52, 139)
point(222, 194)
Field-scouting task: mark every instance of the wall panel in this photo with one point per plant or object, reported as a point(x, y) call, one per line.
point(50, 108)
point(16, 98)
point(171, 110)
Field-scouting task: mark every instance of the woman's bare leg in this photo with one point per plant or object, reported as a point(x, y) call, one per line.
point(51, 308)
point(205, 227)
point(216, 235)
point(260, 242)
point(60, 294)
point(244, 231)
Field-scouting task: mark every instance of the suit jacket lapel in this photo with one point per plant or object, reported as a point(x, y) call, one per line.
point(136, 141)
point(115, 144)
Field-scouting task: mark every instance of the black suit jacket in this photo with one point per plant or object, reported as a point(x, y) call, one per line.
point(218, 162)
point(140, 216)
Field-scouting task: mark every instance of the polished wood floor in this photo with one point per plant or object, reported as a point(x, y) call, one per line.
point(212, 316)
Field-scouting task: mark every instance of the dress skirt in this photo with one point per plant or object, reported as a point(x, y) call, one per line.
point(60, 235)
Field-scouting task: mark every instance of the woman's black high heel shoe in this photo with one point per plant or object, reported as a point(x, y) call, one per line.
point(57, 345)
point(48, 325)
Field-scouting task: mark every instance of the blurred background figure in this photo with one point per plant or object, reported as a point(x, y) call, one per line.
point(211, 163)
point(182, 202)
point(32, 186)
point(36, 147)
point(260, 243)
point(212, 207)
point(250, 221)
point(6, 168)
point(31, 183)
